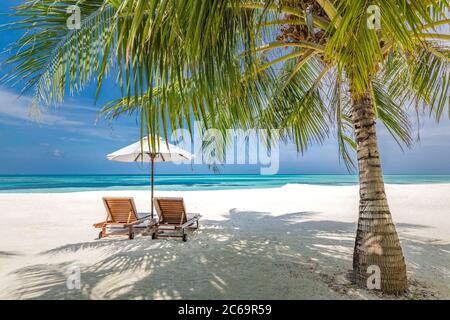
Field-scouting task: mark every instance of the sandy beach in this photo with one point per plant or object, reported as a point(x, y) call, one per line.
point(293, 242)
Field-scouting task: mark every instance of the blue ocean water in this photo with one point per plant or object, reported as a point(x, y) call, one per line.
point(73, 183)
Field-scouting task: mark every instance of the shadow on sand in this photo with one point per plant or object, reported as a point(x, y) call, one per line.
point(250, 255)
point(9, 254)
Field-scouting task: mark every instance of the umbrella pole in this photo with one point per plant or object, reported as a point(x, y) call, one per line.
point(153, 179)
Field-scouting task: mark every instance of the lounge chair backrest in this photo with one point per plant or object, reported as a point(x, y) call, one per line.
point(120, 210)
point(171, 210)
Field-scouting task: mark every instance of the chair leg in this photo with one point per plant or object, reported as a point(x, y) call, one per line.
point(104, 231)
point(130, 233)
point(155, 232)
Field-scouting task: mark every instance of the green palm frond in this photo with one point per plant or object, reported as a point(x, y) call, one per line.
point(421, 79)
point(393, 115)
point(430, 78)
point(295, 106)
point(341, 117)
point(50, 57)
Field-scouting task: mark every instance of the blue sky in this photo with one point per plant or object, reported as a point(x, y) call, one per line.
point(72, 140)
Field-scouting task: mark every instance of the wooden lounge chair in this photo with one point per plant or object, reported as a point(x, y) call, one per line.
point(173, 219)
point(121, 217)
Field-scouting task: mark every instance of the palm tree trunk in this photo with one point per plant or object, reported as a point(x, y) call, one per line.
point(377, 243)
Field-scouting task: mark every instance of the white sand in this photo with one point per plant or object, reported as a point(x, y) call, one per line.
point(292, 242)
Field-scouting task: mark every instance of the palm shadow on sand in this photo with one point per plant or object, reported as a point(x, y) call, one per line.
point(251, 255)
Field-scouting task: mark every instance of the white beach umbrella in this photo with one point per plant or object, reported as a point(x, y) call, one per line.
point(140, 152)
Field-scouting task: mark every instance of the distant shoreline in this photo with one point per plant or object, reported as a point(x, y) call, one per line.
point(202, 174)
point(81, 183)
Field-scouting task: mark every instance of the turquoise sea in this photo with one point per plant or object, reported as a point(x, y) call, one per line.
point(73, 183)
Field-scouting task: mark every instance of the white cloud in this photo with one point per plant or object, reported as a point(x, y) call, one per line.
point(15, 111)
point(74, 139)
point(57, 153)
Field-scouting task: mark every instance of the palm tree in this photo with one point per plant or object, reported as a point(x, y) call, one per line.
point(303, 67)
